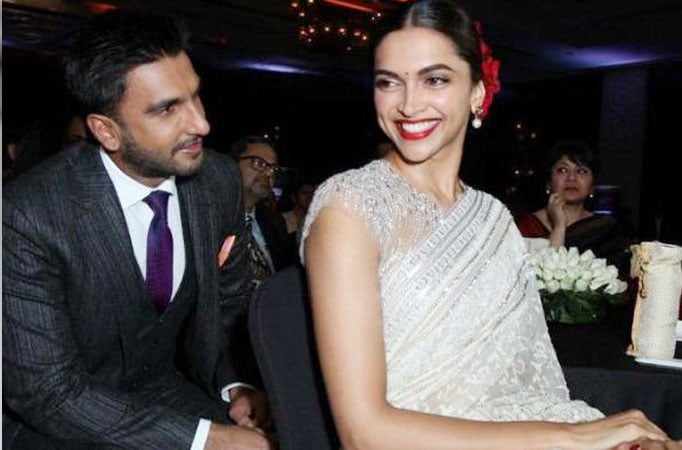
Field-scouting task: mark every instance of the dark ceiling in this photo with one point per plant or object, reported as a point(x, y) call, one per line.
point(534, 39)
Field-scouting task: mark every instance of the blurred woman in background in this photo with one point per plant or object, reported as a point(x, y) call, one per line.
point(566, 220)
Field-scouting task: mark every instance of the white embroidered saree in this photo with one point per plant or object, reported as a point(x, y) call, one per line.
point(464, 331)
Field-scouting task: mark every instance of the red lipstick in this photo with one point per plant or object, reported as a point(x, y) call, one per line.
point(416, 129)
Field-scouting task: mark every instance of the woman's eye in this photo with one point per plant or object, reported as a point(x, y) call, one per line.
point(437, 80)
point(562, 170)
point(583, 171)
point(384, 83)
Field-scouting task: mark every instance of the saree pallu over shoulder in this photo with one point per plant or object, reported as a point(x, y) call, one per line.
point(464, 330)
point(531, 226)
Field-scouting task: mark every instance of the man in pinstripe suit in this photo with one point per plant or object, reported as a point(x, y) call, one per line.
point(88, 360)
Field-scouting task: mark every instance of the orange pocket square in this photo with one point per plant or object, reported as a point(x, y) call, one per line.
point(225, 249)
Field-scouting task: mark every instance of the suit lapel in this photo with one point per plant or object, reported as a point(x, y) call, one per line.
point(105, 228)
point(199, 222)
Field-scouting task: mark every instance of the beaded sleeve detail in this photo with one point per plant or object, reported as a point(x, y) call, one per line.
point(396, 214)
point(464, 331)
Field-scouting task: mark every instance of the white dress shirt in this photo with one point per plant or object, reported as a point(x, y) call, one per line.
point(138, 216)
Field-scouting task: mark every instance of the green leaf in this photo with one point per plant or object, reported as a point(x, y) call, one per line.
point(578, 307)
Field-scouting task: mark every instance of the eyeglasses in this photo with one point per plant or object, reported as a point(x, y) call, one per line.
point(260, 165)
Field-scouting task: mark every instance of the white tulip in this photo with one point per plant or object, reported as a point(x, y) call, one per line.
point(586, 274)
point(622, 287)
point(558, 268)
point(612, 287)
point(549, 263)
point(600, 272)
point(573, 272)
point(566, 284)
point(559, 274)
point(612, 272)
point(573, 253)
point(552, 286)
point(597, 283)
point(556, 257)
point(587, 256)
point(581, 285)
point(573, 260)
point(598, 262)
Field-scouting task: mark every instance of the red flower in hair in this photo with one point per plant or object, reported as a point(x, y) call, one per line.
point(490, 68)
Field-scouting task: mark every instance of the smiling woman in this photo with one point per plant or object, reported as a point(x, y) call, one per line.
point(443, 326)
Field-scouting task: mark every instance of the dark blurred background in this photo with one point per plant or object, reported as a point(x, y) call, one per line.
point(606, 72)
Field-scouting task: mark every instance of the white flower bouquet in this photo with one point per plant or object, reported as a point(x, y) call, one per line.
point(575, 288)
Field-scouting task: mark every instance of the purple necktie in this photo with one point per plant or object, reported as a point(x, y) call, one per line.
point(159, 252)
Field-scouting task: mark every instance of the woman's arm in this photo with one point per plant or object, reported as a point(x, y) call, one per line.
point(342, 261)
point(648, 444)
point(556, 216)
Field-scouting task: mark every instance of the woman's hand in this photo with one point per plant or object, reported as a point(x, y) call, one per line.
point(649, 444)
point(613, 431)
point(556, 215)
point(556, 210)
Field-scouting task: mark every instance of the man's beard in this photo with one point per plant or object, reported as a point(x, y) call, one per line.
point(151, 164)
point(260, 191)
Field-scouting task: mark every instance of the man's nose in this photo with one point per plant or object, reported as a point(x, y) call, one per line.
point(197, 123)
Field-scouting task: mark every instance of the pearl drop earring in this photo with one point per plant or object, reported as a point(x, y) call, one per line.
point(476, 122)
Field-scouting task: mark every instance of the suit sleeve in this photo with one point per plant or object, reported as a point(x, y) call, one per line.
point(237, 362)
point(45, 381)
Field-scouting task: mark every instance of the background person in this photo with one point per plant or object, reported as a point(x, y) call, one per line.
point(271, 248)
point(572, 168)
point(301, 196)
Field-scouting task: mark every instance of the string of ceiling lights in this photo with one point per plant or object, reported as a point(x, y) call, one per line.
point(338, 25)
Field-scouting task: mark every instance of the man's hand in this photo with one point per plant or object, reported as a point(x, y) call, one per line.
point(231, 437)
point(249, 408)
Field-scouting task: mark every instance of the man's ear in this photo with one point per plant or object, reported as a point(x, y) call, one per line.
point(105, 130)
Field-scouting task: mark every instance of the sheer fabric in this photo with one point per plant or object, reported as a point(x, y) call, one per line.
point(464, 330)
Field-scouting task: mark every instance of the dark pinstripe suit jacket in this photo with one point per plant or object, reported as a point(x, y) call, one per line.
point(71, 295)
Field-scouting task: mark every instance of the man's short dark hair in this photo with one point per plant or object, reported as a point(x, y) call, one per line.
point(110, 45)
point(240, 146)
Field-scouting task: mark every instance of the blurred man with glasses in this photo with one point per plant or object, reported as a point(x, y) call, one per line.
point(271, 249)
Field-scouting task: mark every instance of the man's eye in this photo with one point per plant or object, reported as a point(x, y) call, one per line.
point(165, 110)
